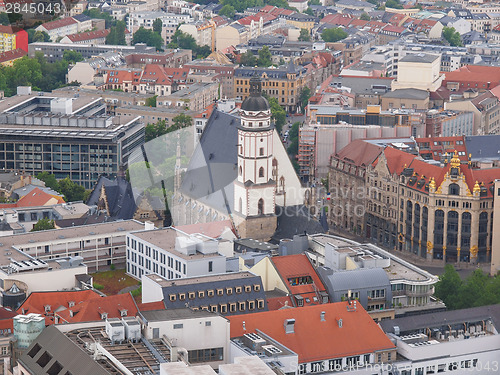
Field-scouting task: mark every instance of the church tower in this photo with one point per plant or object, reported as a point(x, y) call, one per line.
point(255, 189)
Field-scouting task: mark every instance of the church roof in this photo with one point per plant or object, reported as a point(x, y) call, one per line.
point(119, 196)
point(255, 102)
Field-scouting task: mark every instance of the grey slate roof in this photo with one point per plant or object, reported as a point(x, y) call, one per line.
point(483, 147)
point(214, 162)
point(407, 94)
point(416, 322)
point(70, 357)
point(119, 195)
point(419, 58)
point(354, 279)
point(294, 220)
point(198, 284)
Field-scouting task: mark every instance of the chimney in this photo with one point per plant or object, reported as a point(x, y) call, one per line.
point(244, 327)
point(322, 316)
point(289, 326)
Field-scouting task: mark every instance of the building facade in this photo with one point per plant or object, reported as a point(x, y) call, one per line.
point(439, 212)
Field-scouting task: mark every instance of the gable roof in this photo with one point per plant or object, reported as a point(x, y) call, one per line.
point(37, 301)
point(38, 197)
point(12, 55)
point(63, 22)
point(89, 35)
point(359, 153)
point(92, 310)
point(313, 339)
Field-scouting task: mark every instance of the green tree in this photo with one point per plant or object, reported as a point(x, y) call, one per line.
point(278, 114)
point(157, 26)
point(448, 287)
point(151, 102)
point(4, 19)
point(153, 131)
point(304, 96)
point(265, 58)
point(72, 191)
point(365, 17)
point(228, 11)
point(49, 179)
point(116, 34)
point(394, 4)
point(452, 36)
point(96, 13)
point(333, 35)
point(309, 11)
point(72, 56)
point(304, 35)
point(180, 121)
point(43, 224)
point(149, 37)
point(248, 59)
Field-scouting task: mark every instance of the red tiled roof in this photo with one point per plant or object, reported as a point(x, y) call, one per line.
point(291, 267)
point(12, 55)
point(6, 313)
point(276, 303)
point(88, 35)
point(37, 301)
point(92, 310)
point(37, 197)
point(472, 74)
point(397, 159)
point(58, 23)
point(151, 306)
point(360, 153)
point(313, 339)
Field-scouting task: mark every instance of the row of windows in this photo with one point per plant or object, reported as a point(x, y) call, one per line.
point(212, 292)
point(453, 366)
point(233, 307)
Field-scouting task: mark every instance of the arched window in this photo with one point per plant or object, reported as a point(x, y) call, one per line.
point(260, 206)
point(241, 170)
point(261, 172)
point(454, 189)
point(282, 184)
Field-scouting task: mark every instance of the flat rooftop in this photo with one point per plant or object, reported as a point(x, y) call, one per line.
point(175, 314)
point(201, 279)
point(335, 241)
point(165, 239)
point(32, 239)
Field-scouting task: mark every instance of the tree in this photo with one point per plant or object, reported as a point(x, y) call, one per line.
point(309, 11)
point(448, 287)
point(43, 224)
point(365, 17)
point(304, 35)
point(394, 4)
point(248, 59)
point(72, 191)
point(452, 36)
point(304, 96)
point(265, 58)
point(183, 40)
point(96, 13)
point(151, 102)
point(157, 26)
point(333, 35)
point(149, 37)
point(180, 121)
point(49, 179)
point(228, 11)
point(4, 19)
point(72, 56)
point(116, 34)
point(278, 114)
point(155, 130)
